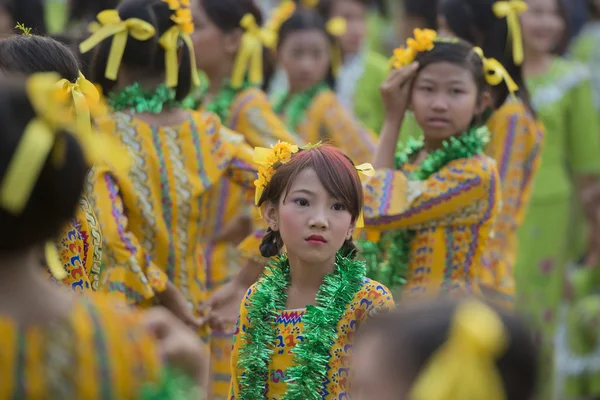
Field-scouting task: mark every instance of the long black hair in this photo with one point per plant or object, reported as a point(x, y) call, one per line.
point(57, 189)
point(144, 56)
point(86, 10)
point(30, 13)
point(475, 22)
point(227, 14)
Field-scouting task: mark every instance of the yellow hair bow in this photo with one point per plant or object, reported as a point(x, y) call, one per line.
point(281, 14)
point(249, 58)
point(495, 73)
point(465, 366)
point(112, 25)
point(365, 170)
point(310, 3)
point(170, 42)
point(336, 27)
point(510, 9)
point(84, 95)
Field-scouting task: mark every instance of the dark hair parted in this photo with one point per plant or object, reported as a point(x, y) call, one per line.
point(337, 174)
point(32, 54)
point(424, 9)
point(57, 189)
point(413, 335)
point(475, 22)
point(145, 57)
point(30, 13)
point(303, 21)
point(227, 14)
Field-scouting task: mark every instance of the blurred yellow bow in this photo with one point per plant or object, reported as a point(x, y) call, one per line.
point(310, 3)
point(85, 95)
point(510, 9)
point(495, 72)
point(249, 58)
point(170, 42)
point(465, 366)
point(336, 27)
point(281, 14)
point(365, 170)
point(112, 25)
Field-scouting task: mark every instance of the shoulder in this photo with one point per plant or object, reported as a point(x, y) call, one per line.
point(574, 68)
point(479, 169)
point(513, 112)
point(251, 96)
point(371, 298)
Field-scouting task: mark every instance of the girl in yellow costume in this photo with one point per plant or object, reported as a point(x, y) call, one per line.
point(296, 327)
point(80, 243)
point(307, 51)
point(151, 217)
point(444, 351)
point(227, 39)
point(57, 345)
point(439, 198)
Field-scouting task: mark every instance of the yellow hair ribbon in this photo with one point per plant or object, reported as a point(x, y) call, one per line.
point(495, 73)
point(510, 9)
point(465, 366)
point(112, 25)
point(364, 170)
point(53, 262)
point(281, 14)
point(85, 95)
point(169, 41)
point(249, 58)
point(336, 27)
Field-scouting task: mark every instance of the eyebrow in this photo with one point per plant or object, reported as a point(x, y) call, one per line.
point(305, 191)
point(453, 81)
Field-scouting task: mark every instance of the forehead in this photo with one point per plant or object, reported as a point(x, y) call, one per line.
point(307, 179)
point(446, 73)
point(312, 37)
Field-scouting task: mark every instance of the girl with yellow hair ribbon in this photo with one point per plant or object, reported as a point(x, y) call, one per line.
point(229, 44)
point(448, 350)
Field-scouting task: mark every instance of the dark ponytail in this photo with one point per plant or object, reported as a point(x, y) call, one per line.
point(349, 249)
point(271, 244)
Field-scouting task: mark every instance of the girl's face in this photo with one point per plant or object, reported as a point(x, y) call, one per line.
point(313, 225)
point(542, 25)
point(305, 56)
point(6, 20)
point(444, 99)
point(355, 15)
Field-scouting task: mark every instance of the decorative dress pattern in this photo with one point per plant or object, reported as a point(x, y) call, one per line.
point(97, 352)
point(370, 299)
point(452, 212)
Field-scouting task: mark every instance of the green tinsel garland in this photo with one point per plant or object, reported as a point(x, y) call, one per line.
point(171, 386)
point(387, 260)
point(311, 356)
point(221, 103)
point(294, 108)
point(138, 100)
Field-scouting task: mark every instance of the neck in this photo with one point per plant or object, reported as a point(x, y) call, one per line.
point(535, 62)
point(309, 275)
point(218, 76)
point(430, 145)
point(147, 82)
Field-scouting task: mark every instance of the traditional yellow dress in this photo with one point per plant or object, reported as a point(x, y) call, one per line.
point(97, 352)
point(152, 217)
point(251, 116)
point(452, 212)
point(372, 297)
point(516, 144)
point(327, 120)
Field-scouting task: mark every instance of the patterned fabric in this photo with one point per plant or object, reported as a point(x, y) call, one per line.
point(453, 214)
point(252, 117)
point(152, 217)
point(327, 120)
point(96, 352)
point(516, 144)
point(372, 298)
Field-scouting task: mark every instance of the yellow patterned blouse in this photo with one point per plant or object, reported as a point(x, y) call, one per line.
point(327, 120)
point(516, 144)
point(152, 216)
point(452, 212)
point(373, 297)
point(97, 352)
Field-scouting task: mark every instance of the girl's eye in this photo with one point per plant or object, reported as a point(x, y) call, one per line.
point(426, 88)
point(457, 91)
point(301, 202)
point(338, 207)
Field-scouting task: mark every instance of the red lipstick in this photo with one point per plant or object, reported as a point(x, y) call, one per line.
point(316, 239)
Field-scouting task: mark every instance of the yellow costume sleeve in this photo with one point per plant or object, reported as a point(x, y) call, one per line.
point(460, 193)
point(129, 269)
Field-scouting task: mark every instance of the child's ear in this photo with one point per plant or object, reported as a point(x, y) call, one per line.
point(485, 101)
point(351, 231)
point(271, 215)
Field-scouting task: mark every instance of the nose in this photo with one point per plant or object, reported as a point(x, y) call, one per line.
point(318, 220)
point(439, 104)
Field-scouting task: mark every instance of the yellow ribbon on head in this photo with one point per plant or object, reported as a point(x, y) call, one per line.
point(465, 366)
point(365, 170)
point(112, 25)
point(336, 27)
point(249, 58)
point(511, 9)
point(282, 13)
point(170, 42)
point(495, 72)
point(85, 95)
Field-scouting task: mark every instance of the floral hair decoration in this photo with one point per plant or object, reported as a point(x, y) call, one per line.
point(25, 31)
point(169, 41)
point(511, 9)
point(477, 338)
point(425, 40)
point(281, 153)
point(111, 24)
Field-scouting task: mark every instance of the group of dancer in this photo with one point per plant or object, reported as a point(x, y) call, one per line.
point(169, 197)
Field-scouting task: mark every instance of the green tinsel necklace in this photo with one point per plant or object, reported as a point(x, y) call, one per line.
point(293, 108)
point(387, 260)
point(135, 99)
point(311, 356)
point(221, 102)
